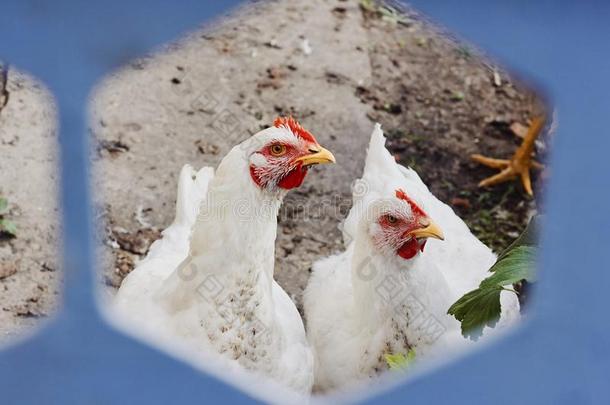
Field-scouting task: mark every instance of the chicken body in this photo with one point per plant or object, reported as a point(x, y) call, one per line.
point(382, 303)
point(216, 293)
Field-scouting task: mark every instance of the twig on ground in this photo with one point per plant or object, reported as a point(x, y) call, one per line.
point(4, 94)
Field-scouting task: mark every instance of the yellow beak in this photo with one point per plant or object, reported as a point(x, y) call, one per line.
point(318, 155)
point(430, 231)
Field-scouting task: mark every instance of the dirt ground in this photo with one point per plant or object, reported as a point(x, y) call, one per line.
point(338, 66)
point(29, 262)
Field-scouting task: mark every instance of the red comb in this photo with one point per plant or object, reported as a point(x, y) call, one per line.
point(295, 127)
point(414, 207)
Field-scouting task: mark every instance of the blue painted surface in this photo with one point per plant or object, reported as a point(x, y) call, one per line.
point(78, 359)
point(561, 356)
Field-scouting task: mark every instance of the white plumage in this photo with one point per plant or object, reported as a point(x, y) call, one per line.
point(367, 302)
point(219, 295)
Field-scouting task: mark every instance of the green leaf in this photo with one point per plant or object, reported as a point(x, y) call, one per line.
point(529, 237)
point(481, 307)
point(8, 227)
point(3, 205)
point(477, 309)
point(516, 265)
point(400, 362)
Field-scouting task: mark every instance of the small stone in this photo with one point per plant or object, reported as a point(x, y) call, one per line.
point(7, 269)
point(460, 202)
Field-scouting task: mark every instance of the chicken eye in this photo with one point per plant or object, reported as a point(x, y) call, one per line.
point(391, 219)
point(277, 149)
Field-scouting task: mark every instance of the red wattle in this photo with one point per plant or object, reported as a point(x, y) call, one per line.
point(293, 179)
point(409, 249)
point(255, 177)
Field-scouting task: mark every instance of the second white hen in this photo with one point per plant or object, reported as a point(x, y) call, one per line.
point(389, 291)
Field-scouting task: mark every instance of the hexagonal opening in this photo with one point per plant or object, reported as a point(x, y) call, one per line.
point(338, 67)
point(30, 262)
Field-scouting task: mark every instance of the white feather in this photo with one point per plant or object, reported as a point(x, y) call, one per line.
point(360, 305)
point(216, 293)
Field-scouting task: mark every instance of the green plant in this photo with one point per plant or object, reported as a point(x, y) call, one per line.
point(481, 307)
point(457, 96)
point(368, 5)
point(399, 361)
point(6, 226)
point(464, 51)
point(384, 11)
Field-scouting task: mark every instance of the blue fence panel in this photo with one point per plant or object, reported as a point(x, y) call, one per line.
point(562, 355)
point(77, 358)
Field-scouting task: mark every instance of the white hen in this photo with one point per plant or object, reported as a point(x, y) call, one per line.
point(219, 295)
point(390, 290)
